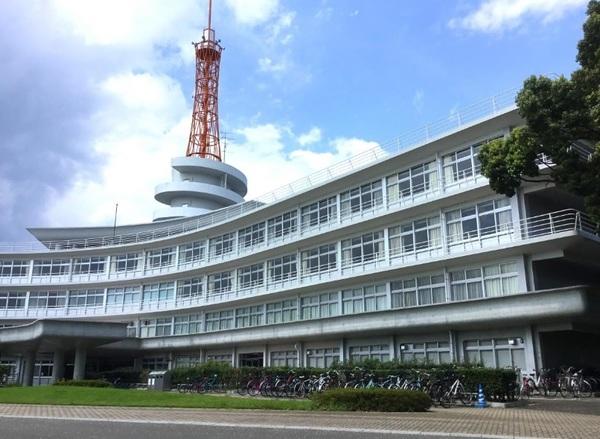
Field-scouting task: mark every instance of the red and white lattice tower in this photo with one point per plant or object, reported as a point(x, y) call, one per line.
point(201, 182)
point(204, 133)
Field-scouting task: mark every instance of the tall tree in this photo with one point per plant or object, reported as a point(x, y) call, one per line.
point(562, 118)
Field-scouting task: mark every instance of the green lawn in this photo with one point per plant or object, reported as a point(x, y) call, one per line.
point(67, 395)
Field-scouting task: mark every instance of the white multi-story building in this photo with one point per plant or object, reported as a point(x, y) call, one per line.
point(405, 255)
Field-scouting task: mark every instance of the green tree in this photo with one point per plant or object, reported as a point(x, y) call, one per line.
point(562, 118)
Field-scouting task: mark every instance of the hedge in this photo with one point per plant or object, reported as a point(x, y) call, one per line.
point(366, 400)
point(83, 383)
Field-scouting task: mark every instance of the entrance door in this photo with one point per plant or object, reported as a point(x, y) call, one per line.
point(252, 359)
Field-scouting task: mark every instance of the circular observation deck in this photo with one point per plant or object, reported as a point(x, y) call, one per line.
point(199, 186)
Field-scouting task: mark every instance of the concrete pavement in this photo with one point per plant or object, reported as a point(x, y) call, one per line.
point(455, 422)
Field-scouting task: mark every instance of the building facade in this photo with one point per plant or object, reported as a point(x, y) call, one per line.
point(411, 256)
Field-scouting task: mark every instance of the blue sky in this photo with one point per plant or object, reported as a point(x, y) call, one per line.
point(96, 95)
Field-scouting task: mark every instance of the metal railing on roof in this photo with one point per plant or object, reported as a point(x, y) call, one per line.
point(457, 120)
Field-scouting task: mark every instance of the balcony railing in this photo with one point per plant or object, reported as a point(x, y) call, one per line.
point(554, 224)
point(460, 119)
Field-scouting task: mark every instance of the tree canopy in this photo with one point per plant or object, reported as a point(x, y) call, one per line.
point(562, 118)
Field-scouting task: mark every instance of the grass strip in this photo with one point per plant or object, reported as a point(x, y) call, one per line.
point(65, 395)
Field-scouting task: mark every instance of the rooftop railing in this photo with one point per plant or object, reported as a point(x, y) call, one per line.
point(457, 120)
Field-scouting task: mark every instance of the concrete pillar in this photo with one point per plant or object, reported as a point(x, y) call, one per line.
point(58, 368)
point(28, 368)
point(137, 363)
point(300, 349)
point(455, 354)
point(79, 366)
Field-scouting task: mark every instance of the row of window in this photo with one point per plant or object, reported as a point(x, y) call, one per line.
point(491, 281)
point(471, 283)
point(491, 352)
point(406, 239)
point(417, 179)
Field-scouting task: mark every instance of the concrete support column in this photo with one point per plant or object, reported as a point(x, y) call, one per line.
point(28, 368)
point(300, 349)
point(58, 368)
point(137, 363)
point(455, 354)
point(79, 366)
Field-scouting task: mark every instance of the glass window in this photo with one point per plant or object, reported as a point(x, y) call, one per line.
point(413, 181)
point(189, 288)
point(379, 352)
point(126, 262)
point(219, 283)
point(487, 281)
point(282, 312)
point(367, 298)
point(361, 198)
point(282, 225)
point(12, 299)
point(91, 265)
point(319, 306)
point(464, 163)
point(160, 258)
point(499, 352)
point(252, 235)
point(282, 268)
point(435, 352)
point(86, 298)
point(158, 292)
point(322, 357)
point(362, 248)
point(284, 358)
point(221, 245)
point(421, 290)
point(14, 268)
point(319, 259)
point(123, 296)
point(47, 299)
point(486, 218)
point(51, 267)
point(189, 324)
point(251, 276)
point(219, 320)
point(317, 213)
point(248, 316)
point(192, 252)
point(155, 363)
point(415, 236)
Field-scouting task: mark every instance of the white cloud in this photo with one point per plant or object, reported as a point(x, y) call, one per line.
point(311, 136)
point(266, 64)
point(253, 12)
point(499, 15)
point(418, 100)
point(146, 121)
point(263, 158)
point(133, 22)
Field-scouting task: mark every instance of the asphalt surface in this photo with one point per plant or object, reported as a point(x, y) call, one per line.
point(584, 406)
point(22, 428)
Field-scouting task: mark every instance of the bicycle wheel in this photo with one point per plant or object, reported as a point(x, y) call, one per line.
point(462, 396)
point(585, 389)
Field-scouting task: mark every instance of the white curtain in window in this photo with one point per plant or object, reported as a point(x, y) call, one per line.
point(493, 287)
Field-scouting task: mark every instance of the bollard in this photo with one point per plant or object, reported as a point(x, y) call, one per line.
point(481, 402)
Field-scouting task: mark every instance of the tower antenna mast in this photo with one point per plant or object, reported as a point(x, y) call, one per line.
point(204, 138)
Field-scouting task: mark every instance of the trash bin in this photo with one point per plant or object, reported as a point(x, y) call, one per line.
point(159, 380)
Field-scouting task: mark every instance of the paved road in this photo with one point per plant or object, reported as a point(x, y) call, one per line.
point(19, 428)
point(584, 406)
point(19, 421)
